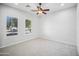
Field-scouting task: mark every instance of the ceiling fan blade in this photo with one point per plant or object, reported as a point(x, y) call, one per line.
point(41, 9)
point(37, 13)
point(45, 9)
point(38, 7)
point(44, 13)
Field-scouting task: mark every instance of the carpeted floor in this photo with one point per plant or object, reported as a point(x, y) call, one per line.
point(39, 47)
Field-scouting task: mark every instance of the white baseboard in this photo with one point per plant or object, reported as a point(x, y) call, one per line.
point(61, 42)
point(14, 43)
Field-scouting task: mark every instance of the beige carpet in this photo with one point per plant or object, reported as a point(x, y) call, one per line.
point(39, 47)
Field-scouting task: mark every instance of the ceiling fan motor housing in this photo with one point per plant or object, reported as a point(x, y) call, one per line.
point(40, 3)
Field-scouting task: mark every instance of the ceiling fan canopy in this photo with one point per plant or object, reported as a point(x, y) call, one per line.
point(40, 9)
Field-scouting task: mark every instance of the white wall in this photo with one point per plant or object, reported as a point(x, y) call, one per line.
point(77, 31)
point(60, 26)
point(0, 28)
point(9, 40)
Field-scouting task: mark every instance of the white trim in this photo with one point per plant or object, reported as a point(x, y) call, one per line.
point(61, 42)
point(14, 43)
point(65, 43)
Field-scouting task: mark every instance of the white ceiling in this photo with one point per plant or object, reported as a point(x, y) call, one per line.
point(52, 6)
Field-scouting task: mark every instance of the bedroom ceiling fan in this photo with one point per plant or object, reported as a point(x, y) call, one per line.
point(40, 10)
